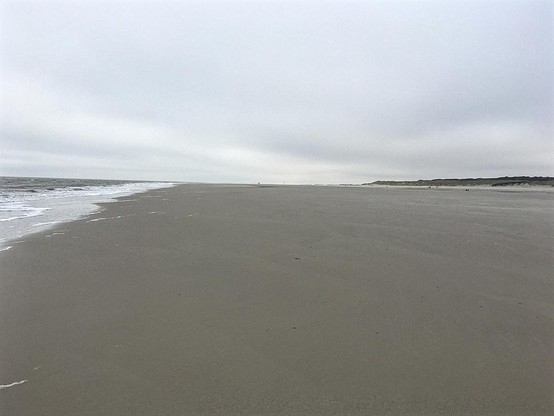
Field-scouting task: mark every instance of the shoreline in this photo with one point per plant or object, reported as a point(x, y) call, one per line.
point(40, 209)
point(252, 300)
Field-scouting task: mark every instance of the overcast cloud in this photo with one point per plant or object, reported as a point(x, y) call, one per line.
point(296, 92)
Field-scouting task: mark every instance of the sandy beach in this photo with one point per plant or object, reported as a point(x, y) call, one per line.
point(285, 300)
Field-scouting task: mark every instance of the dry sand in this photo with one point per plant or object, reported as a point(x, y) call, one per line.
point(222, 300)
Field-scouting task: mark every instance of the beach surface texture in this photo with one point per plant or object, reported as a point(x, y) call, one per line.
point(285, 300)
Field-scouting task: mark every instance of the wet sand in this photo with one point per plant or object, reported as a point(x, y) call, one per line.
point(230, 300)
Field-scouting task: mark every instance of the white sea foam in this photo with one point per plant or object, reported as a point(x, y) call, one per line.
point(5, 386)
point(25, 212)
point(17, 210)
point(40, 224)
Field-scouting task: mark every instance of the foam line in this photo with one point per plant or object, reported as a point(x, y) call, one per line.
point(5, 386)
point(40, 224)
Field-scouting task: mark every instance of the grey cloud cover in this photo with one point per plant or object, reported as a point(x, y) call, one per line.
point(300, 92)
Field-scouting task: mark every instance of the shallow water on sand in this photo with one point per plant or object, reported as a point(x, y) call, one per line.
point(29, 205)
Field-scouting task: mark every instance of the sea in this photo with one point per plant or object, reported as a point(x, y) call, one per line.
point(29, 205)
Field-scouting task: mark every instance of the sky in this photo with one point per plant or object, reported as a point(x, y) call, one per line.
point(276, 91)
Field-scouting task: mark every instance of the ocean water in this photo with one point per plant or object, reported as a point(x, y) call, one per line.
point(28, 205)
